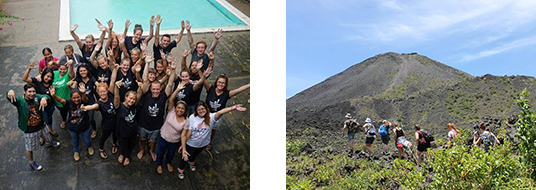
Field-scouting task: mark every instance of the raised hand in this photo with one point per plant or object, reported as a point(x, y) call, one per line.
point(182, 85)
point(158, 19)
point(110, 52)
point(70, 63)
point(218, 34)
point(73, 28)
point(182, 24)
point(186, 53)
point(199, 64)
point(149, 57)
point(110, 24)
point(162, 54)
point(38, 78)
point(188, 26)
point(82, 87)
point(239, 107)
point(31, 65)
point(168, 71)
point(151, 22)
point(99, 24)
point(169, 57)
point(173, 64)
point(119, 83)
point(121, 39)
point(43, 104)
point(207, 72)
point(127, 23)
point(137, 68)
point(11, 96)
point(98, 46)
point(116, 66)
point(143, 46)
point(52, 90)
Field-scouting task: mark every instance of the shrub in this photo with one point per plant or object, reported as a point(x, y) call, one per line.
point(526, 132)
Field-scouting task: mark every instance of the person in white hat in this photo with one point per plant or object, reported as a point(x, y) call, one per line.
point(352, 127)
point(369, 129)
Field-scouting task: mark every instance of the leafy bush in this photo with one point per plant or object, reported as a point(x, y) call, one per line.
point(295, 146)
point(526, 132)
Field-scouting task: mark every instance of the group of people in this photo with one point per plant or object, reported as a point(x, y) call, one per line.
point(138, 93)
point(352, 127)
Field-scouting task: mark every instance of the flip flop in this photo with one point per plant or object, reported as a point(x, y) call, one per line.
point(103, 154)
point(62, 125)
point(114, 149)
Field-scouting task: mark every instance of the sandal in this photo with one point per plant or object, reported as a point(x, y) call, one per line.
point(93, 134)
point(114, 149)
point(170, 168)
point(55, 134)
point(209, 146)
point(103, 154)
point(159, 169)
point(62, 125)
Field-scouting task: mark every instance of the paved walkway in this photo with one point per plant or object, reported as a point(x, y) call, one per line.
point(228, 169)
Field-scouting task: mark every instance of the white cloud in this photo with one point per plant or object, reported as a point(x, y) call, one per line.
point(512, 45)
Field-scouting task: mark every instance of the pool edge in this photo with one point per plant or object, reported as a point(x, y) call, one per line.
point(65, 35)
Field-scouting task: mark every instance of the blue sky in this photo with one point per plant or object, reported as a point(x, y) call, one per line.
point(325, 37)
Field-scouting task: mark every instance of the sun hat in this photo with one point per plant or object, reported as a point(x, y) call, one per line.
point(367, 120)
point(348, 116)
point(384, 121)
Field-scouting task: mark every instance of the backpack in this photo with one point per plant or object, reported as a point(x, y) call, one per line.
point(427, 137)
point(352, 127)
point(371, 128)
point(383, 130)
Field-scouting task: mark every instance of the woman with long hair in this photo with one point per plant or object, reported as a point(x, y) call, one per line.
point(62, 83)
point(83, 76)
point(401, 141)
point(78, 124)
point(135, 41)
point(127, 125)
point(48, 61)
point(453, 132)
point(197, 137)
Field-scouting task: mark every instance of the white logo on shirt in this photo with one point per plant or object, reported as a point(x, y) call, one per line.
point(130, 117)
point(127, 83)
point(111, 110)
point(153, 111)
point(181, 94)
point(214, 104)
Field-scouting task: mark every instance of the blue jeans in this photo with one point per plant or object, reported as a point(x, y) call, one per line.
point(47, 114)
point(163, 145)
point(85, 137)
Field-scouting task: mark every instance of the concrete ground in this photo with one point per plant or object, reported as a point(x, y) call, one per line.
point(22, 42)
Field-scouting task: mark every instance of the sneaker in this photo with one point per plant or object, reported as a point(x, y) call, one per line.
point(53, 144)
point(90, 151)
point(76, 156)
point(192, 166)
point(180, 173)
point(36, 166)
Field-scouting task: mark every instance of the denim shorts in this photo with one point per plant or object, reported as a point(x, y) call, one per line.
point(351, 136)
point(216, 125)
point(152, 135)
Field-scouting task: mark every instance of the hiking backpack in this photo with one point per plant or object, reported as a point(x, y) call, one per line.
point(383, 130)
point(427, 137)
point(371, 128)
point(352, 126)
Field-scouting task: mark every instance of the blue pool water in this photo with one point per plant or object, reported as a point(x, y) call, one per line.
point(201, 13)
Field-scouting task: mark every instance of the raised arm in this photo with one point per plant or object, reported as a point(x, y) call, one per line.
point(158, 21)
point(116, 92)
point(82, 89)
point(93, 55)
point(76, 38)
point(113, 78)
point(179, 36)
point(110, 34)
point(70, 68)
point(190, 38)
point(25, 77)
point(169, 85)
point(138, 94)
point(148, 59)
point(127, 24)
point(217, 35)
point(211, 59)
point(229, 109)
point(183, 60)
point(103, 29)
point(173, 96)
point(201, 75)
point(151, 22)
point(124, 49)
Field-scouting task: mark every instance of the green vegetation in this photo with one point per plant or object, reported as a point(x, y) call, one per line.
point(526, 132)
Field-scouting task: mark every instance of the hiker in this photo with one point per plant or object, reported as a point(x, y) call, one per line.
point(62, 82)
point(453, 132)
point(422, 144)
point(105, 104)
point(48, 61)
point(197, 137)
point(78, 120)
point(165, 44)
point(198, 50)
point(401, 141)
point(352, 127)
point(369, 129)
point(171, 131)
point(485, 137)
point(384, 133)
point(30, 108)
point(217, 96)
point(130, 42)
point(42, 87)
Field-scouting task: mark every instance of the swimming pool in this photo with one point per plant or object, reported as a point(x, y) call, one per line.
point(215, 14)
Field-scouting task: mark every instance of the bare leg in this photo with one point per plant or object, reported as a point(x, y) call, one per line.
point(419, 159)
point(151, 150)
point(30, 156)
point(142, 149)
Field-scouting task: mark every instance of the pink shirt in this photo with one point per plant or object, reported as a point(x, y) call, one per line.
point(171, 130)
point(452, 133)
point(42, 63)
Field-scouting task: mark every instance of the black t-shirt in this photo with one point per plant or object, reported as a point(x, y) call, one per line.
point(77, 120)
point(106, 73)
point(188, 94)
point(107, 110)
point(129, 45)
point(127, 125)
point(90, 88)
point(206, 61)
point(86, 55)
point(156, 49)
point(35, 122)
point(152, 111)
point(215, 102)
point(41, 89)
point(129, 83)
